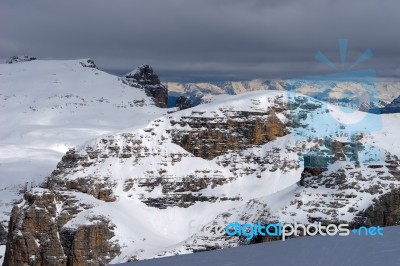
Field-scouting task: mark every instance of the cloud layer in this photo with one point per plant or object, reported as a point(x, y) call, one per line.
point(190, 40)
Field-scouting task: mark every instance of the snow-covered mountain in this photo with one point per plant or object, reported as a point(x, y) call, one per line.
point(150, 190)
point(393, 107)
point(48, 107)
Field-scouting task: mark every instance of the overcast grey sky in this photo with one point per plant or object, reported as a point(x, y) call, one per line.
point(201, 40)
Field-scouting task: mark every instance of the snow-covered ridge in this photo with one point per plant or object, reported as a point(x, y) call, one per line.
point(50, 106)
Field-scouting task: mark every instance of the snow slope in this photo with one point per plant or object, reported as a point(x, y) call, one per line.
point(47, 107)
point(304, 251)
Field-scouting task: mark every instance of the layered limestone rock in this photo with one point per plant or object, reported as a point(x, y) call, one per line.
point(33, 236)
point(145, 77)
point(38, 234)
point(176, 191)
point(89, 244)
point(210, 137)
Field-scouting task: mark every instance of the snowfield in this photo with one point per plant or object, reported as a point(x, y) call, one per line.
point(48, 107)
point(303, 251)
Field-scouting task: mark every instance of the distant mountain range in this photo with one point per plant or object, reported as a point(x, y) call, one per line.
point(387, 91)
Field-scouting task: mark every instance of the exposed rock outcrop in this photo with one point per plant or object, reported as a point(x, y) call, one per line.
point(3, 235)
point(181, 192)
point(89, 244)
point(145, 77)
point(183, 103)
point(317, 162)
point(338, 192)
point(19, 59)
point(88, 63)
point(384, 212)
point(38, 235)
point(33, 235)
point(210, 137)
point(393, 107)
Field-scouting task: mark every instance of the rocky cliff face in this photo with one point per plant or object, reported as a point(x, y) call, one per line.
point(145, 77)
point(210, 137)
point(39, 234)
point(385, 211)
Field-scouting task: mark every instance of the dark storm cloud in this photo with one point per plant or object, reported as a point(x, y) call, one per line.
point(208, 39)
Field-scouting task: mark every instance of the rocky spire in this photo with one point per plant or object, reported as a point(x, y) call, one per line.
point(145, 77)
